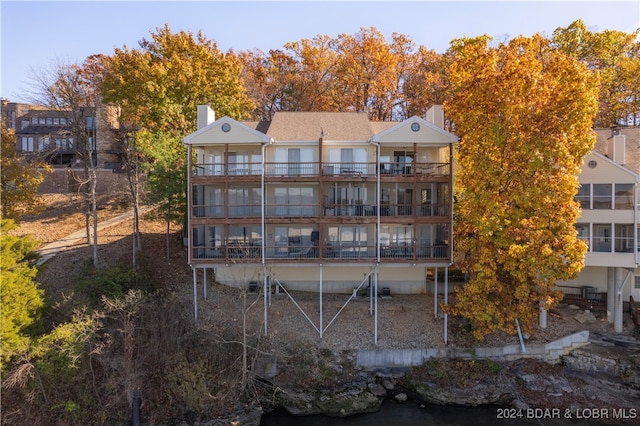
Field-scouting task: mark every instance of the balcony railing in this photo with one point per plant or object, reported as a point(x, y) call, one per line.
point(312, 210)
point(328, 169)
point(330, 251)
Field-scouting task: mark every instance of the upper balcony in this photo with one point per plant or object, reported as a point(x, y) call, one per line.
point(314, 170)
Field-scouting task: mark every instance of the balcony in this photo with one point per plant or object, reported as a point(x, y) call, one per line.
point(330, 252)
point(348, 170)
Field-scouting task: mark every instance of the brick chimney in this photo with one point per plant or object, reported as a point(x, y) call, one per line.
point(206, 116)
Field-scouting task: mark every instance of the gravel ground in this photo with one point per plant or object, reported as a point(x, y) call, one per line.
point(404, 321)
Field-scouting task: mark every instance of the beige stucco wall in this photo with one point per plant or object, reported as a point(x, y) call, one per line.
point(335, 279)
point(596, 276)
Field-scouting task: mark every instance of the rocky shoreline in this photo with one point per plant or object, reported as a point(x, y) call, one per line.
point(600, 378)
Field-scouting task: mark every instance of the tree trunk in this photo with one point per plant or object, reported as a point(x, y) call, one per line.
point(132, 177)
point(94, 210)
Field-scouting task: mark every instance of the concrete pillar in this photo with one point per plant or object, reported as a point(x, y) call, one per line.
point(618, 308)
point(543, 318)
point(611, 293)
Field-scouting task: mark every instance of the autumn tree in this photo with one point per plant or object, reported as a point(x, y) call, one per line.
point(425, 83)
point(270, 81)
point(19, 180)
point(615, 55)
point(72, 91)
point(317, 63)
point(524, 112)
point(166, 175)
point(158, 86)
point(22, 299)
point(360, 72)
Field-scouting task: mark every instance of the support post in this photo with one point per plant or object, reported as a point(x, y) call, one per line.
point(619, 308)
point(204, 286)
point(264, 297)
point(195, 293)
point(435, 292)
point(321, 326)
point(446, 298)
point(543, 316)
point(611, 293)
point(375, 307)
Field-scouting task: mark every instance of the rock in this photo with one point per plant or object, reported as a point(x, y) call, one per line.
point(377, 389)
point(552, 385)
point(341, 403)
point(401, 397)
point(519, 404)
point(388, 384)
point(480, 394)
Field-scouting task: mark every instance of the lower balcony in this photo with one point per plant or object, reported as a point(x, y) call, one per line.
point(325, 253)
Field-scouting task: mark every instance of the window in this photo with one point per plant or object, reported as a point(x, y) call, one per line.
point(26, 144)
point(294, 161)
point(602, 238)
point(293, 201)
point(583, 197)
point(636, 283)
point(349, 160)
point(349, 241)
point(623, 196)
point(244, 202)
point(583, 231)
point(602, 195)
point(293, 241)
point(623, 238)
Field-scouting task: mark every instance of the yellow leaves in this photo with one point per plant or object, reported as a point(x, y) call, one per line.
point(521, 145)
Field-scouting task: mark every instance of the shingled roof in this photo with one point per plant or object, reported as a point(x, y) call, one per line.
point(632, 145)
point(309, 126)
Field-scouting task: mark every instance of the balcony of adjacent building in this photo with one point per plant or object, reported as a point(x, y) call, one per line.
point(610, 244)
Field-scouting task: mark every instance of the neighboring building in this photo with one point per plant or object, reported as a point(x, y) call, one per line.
point(609, 199)
point(45, 134)
point(321, 201)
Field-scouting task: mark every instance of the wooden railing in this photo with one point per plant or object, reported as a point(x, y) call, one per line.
point(352, 169)
point(586, 298)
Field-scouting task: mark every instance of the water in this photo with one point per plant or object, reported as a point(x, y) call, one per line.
point(409, 414)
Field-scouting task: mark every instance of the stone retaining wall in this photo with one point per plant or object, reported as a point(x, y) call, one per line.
point(66, 180)
point(389, 358)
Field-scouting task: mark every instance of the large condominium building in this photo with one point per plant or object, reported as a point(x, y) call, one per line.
point(321, 201)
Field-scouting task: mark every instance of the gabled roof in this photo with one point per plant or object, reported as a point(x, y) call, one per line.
point(237, 133)
point(311, 126)
point(605, 170)
point(415, 130)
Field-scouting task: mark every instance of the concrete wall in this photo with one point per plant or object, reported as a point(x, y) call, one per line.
point(387, 358)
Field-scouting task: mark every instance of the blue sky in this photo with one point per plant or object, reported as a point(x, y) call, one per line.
point(35, 34)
